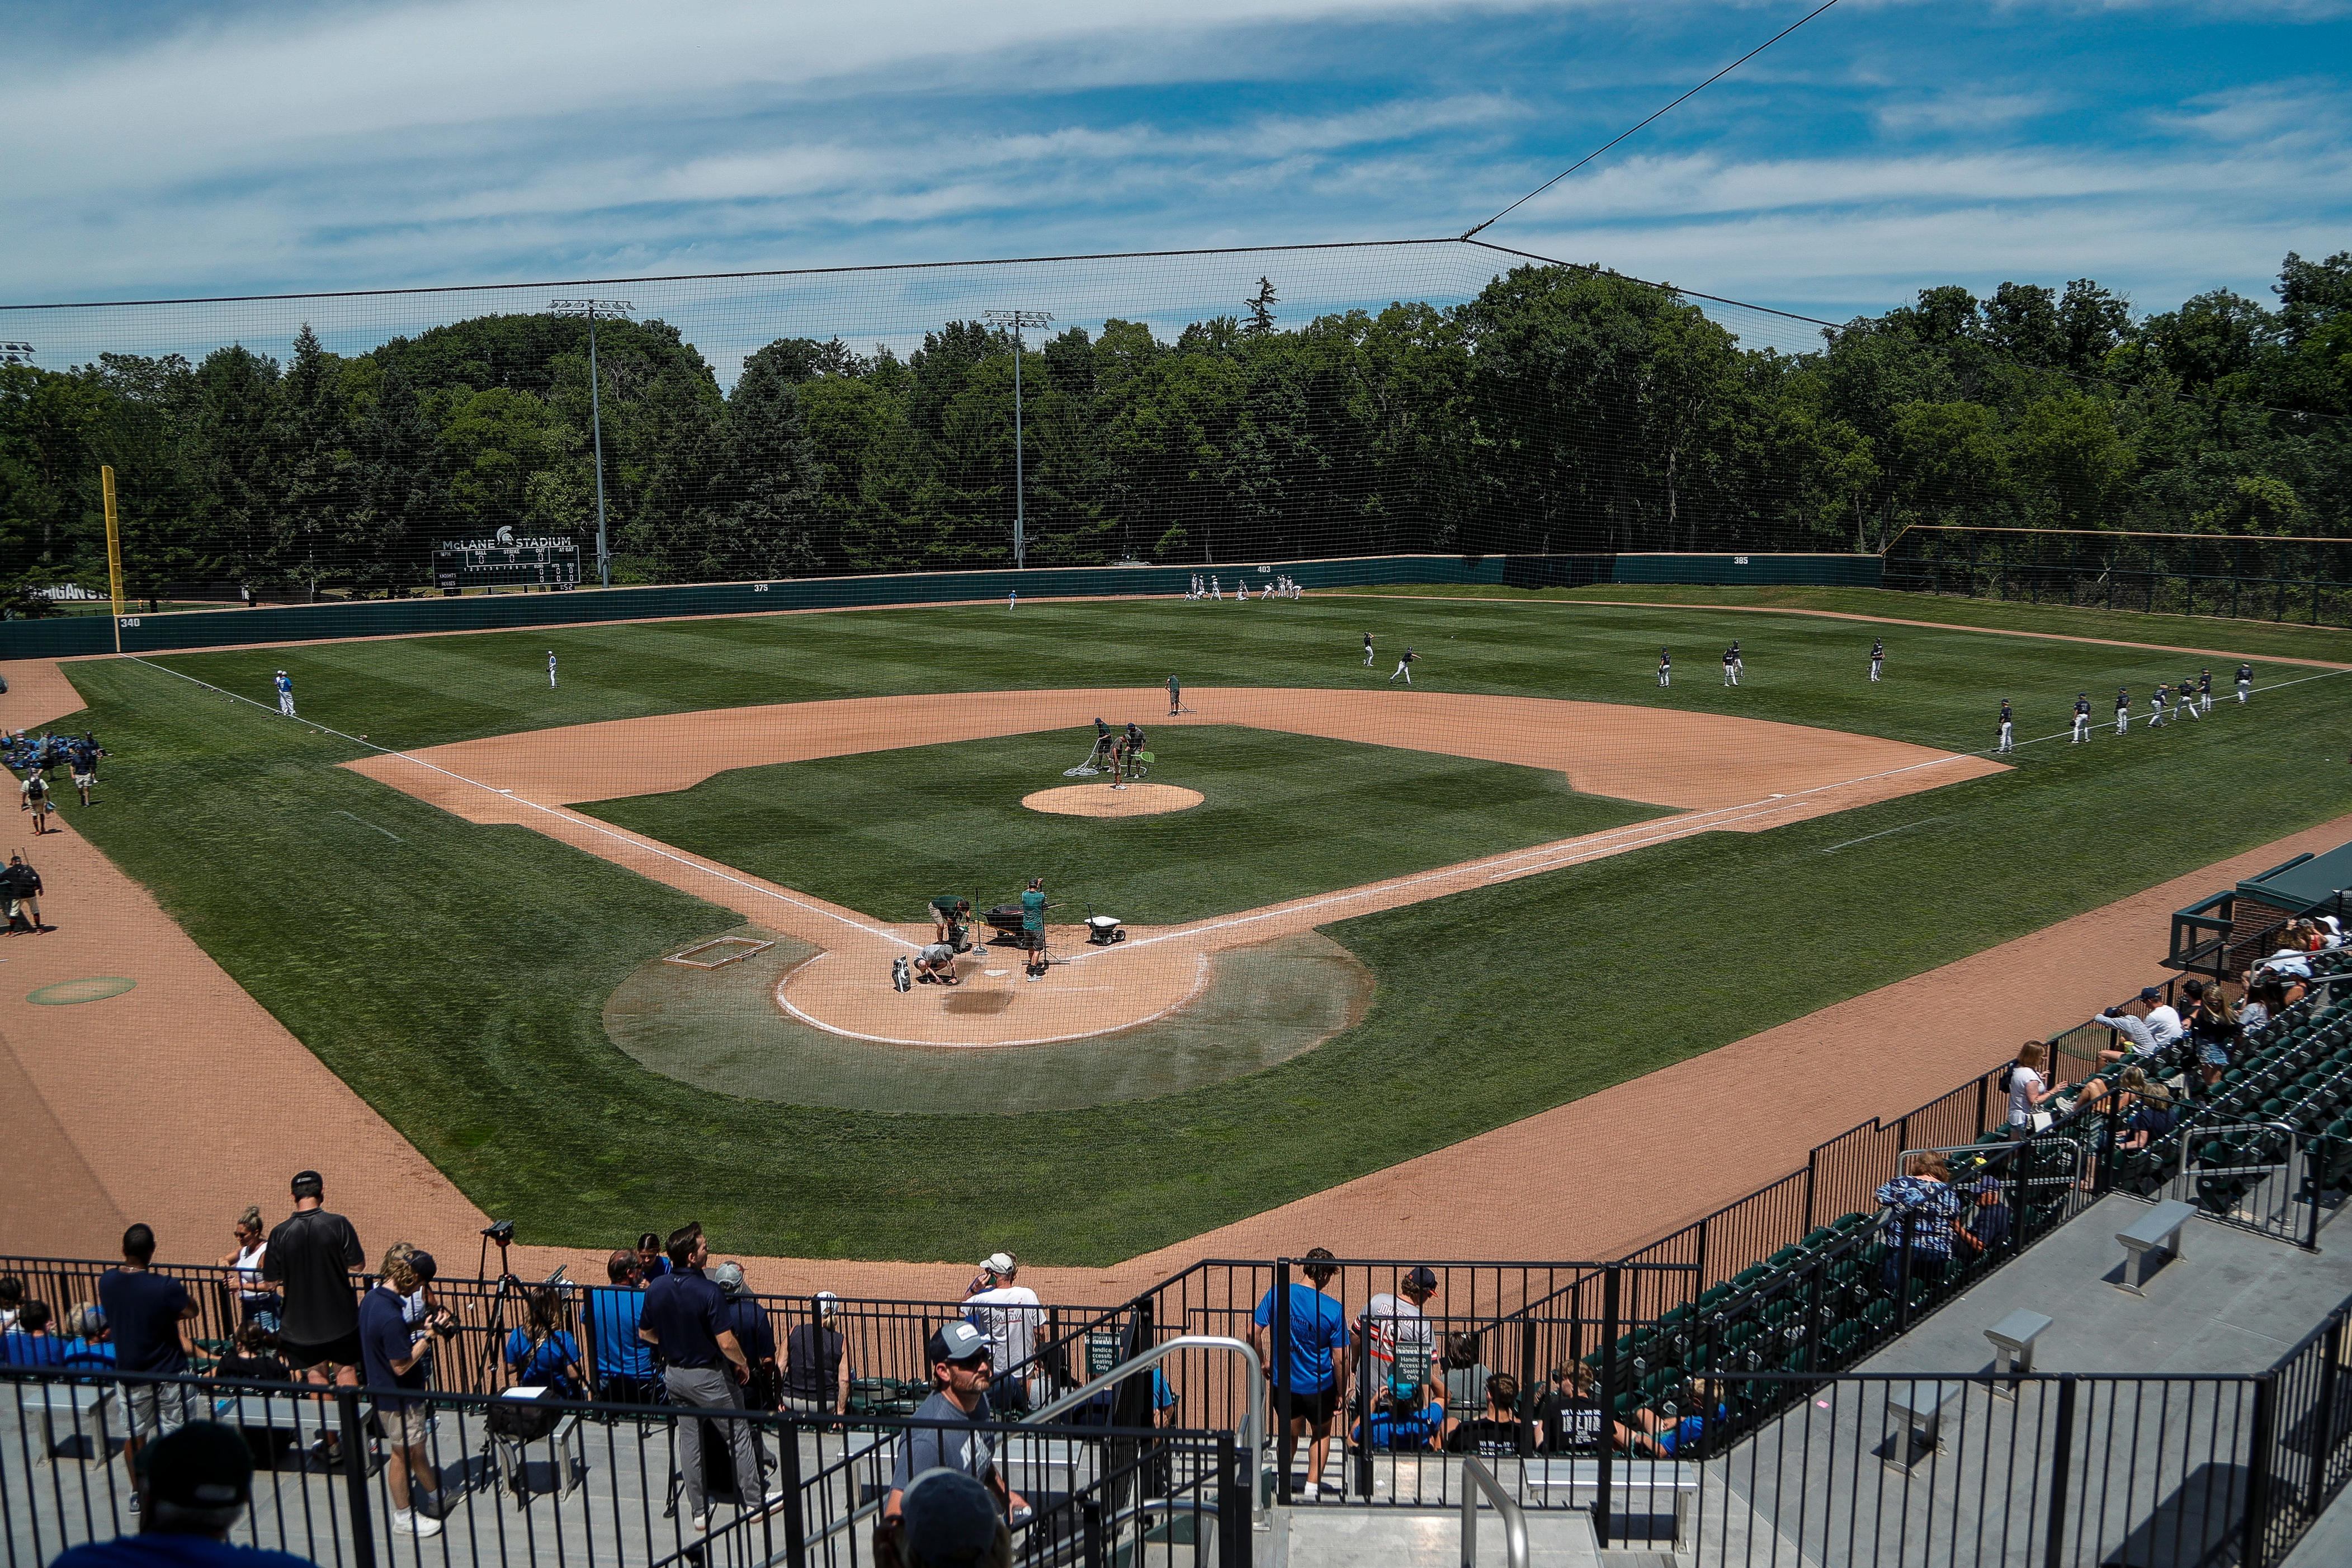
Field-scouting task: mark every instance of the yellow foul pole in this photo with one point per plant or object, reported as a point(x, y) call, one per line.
point(114, 549)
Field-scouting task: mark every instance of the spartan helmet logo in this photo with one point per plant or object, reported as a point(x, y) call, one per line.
point(506, 538)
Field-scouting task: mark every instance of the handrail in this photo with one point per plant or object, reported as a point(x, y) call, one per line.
point(1253, 1411)
point(1514, 1518)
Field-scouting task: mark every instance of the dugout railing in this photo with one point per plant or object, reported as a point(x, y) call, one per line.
point(601, 1484)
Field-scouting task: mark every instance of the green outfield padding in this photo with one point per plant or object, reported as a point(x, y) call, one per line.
point(66, 636)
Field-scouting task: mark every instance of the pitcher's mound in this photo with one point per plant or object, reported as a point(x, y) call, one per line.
point(1101, 800)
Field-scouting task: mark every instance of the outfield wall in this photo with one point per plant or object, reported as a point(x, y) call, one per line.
point(66, 636)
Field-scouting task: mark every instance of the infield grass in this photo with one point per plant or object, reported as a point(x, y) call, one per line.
point(1283, 816)
point(455, 978)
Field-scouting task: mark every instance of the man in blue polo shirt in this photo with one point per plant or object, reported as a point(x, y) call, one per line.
point(624, 1363)
point(393, 1354)
point(1311, 1380)
point(686, 1319)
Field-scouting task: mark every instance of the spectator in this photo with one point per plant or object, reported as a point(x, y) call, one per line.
point(1310, 1380)
point(1497, 1428)
point(1410, 1418)
point(1465, 1378)
point(11, 1300)
point(254, 1358)
point(147, 1312)
point(755, 1333)
point(394, 1353)
point(652, 1262)
point(1010, 1316)
point(2214, 1026)
point(254, 1300)
point(1394, 1323)
point(1990, 1224)
point(89, 1347)
point(540, 1353)
point(1567, 1417)
point(2132, 1035)
point(2152, 1118)
point(686, 1319)
point(948, 1519)
point(30, 1344)
point(817, 1363)
point(2262, 1003)
point(191, 1488)
point(960, 1360)
point(2022, 1081)
point(310, 1256)
point(1926, 1214)
point(624, 1362)
point(23, 885)
point(2163, 1022)
point(1672, 1434)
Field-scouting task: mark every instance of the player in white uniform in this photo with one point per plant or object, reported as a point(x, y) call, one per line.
point(2245, 681)
point(2156, 706)
point(1729, 678)
point(2189, 699)
point(1368, 650)
point(2123, 708)
point(2082, 718)
point(550, 670)
point(285, 685)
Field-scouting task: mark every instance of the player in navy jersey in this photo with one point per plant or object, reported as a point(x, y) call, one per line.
point(2189, 699)
point(1739, 665)
point(2156, 706)
point(1729, 678)
point(2245, 681)
point(2205, 689)
point(1665, 667)
point(1877, 657)
point(2123, 708)
point(2082, 718)
point(2008, 728)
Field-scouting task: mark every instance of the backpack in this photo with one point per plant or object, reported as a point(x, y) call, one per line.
point(2008, 1073)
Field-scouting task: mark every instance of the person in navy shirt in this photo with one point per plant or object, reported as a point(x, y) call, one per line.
point(686, 1319)
point(393, 1355)
point(192, 1487)
point(2123, 708)
point(1310, 1373)
point(2245, 681)
point(144, 1311)
point(2082, 718)
point(2008, 728)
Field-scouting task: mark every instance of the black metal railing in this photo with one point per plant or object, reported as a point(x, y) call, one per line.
point(601, 1483)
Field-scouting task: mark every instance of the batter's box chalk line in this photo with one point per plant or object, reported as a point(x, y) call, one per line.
point(738, 948)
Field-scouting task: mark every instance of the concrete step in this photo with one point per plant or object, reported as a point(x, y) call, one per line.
point(1328, 1536)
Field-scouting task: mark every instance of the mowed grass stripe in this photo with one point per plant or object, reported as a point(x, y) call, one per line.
point(455, 980)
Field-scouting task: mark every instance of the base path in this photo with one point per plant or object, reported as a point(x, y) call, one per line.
point(1721, 774)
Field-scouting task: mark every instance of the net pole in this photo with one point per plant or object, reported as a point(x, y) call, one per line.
point(114, 549)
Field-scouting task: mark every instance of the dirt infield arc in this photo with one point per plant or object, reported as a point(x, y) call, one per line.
point(1721, 774)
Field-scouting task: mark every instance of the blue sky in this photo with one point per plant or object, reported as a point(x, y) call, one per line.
point(2162, 149)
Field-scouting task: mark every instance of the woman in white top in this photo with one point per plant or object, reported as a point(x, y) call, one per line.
point(2026, 1090)
point(255, 1299)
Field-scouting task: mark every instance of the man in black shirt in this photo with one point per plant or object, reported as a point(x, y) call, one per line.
point(310, 1258)
point(23, 885)
point(686, 1319)
point(817, 1363)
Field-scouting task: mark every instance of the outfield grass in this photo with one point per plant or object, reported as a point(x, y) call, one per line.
point(1283, 816)
point(456, 978)
point(2277, 639)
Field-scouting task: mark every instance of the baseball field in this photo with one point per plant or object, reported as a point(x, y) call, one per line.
point(1395, 920)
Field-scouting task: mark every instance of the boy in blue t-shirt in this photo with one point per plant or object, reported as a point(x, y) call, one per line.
point(1310, 1379)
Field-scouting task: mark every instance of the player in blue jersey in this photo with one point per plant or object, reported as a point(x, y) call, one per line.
point(2008, 728)
point(2082, 718)
point(2123, 708)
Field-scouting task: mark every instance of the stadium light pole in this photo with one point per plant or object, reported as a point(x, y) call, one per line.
point(1017, 320)
point(592, 308)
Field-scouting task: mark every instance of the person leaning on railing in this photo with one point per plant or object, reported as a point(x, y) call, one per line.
point(1926, 1215)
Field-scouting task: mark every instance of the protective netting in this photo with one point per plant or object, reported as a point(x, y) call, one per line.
point(1209, 406)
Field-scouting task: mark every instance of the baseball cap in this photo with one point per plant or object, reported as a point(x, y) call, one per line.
point(730, 1278)
point(1419, 1277)
point(947, 1519)
point(827, 1303)
point(958, 1341)
point(1001, 1263)
point(2149, 993)
point(86, 1322)
point(427, 1269)
point(309, 1184)
point(204, 1464)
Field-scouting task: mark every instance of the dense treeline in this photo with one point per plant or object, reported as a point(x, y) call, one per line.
point(1560, 410)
